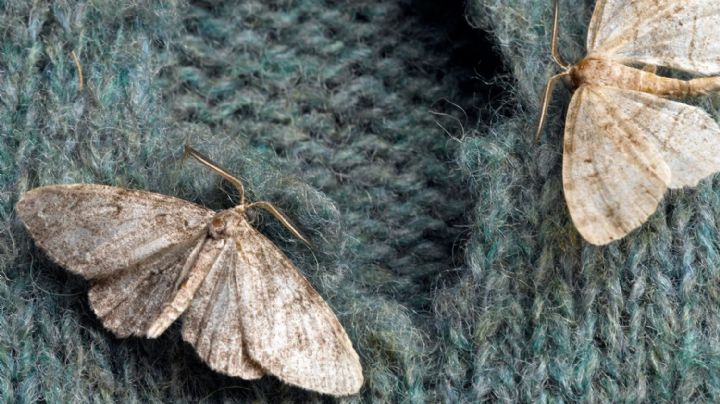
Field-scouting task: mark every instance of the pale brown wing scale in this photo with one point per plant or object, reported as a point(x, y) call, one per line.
point(623, 149)
point(613, 176)
point(687, 137)
point(130, 301)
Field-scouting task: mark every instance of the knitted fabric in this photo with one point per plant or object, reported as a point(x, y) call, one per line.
point(441, 236)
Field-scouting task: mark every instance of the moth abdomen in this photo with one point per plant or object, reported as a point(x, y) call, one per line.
point(597, 70)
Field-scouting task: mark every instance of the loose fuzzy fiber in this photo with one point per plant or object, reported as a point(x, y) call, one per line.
point(355, 120)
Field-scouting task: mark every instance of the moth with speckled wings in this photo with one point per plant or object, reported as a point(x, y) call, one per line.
point(625, 142)
point(152, 258)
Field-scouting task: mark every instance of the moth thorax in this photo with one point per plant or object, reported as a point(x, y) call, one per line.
point(579, 73)
point(226, 224)
point(591, 71)
point(606, 72)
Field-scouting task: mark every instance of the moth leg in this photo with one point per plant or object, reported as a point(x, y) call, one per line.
point(560, 62)
point(281, 218)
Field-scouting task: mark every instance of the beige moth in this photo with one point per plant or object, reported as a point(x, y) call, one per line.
point(151, 258)
point(627, 140)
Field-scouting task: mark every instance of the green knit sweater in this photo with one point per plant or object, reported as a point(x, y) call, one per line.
point(442, 239)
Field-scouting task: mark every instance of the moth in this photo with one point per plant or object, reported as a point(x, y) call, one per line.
point(626, 141)
point(151, 258)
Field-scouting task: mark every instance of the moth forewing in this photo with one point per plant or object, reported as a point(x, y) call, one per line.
point(212, 322)
point(306, 347)
point(203, 257)
point(677, 34)
point(131, 300)
point(97, 230)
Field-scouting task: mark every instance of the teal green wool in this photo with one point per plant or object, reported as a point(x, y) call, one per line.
point(441, 236)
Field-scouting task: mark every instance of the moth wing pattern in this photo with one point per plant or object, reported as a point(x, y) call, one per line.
point(288, 329)
point(613, 174)
point(687, 137)
point(676, 34)
point(212, 323)
point(131, 300)
point(132, 245)
point(97, 230)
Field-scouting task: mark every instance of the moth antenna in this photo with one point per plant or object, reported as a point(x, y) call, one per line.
point(204, 160)
point(282, 219)
point(553, 41)
point(547, 94)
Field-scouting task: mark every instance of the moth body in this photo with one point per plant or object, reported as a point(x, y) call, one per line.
point(601, 71)
point(229, 223)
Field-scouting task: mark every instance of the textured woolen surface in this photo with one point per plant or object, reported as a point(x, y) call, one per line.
point(442, 238)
